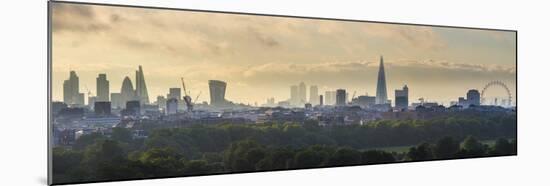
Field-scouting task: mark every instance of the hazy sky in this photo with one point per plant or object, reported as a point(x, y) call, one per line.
point(261, 57)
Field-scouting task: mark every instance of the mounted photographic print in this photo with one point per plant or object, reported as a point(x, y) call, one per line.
point(143, 92)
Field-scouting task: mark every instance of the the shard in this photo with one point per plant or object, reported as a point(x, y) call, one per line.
point(141, 88)
point(381, 91)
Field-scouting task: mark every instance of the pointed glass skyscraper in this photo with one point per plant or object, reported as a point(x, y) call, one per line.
point(141, 88)
point(381, 92)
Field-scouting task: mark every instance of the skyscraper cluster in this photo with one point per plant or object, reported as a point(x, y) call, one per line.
point(72, 96)
point(298, 95)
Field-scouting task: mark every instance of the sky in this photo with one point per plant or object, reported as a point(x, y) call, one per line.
point(262, 56)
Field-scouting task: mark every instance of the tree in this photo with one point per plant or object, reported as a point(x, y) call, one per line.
point(65, 160)
point(472, 148)
point(503, 147)
point(376, 156)
point(196, 167)
point(345, 156)
point(446, 147)
point(86, 140)
point(310, 157)
point(162, 162)
point(122, 135)
point(421, 152)
point(242, 155)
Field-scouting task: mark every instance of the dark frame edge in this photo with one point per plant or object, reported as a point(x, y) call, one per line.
point(49, 95)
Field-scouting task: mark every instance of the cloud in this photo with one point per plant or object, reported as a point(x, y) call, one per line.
point(264, 54)
point(75, 18)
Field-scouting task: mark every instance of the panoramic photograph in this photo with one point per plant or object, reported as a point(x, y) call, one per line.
point(139, 93)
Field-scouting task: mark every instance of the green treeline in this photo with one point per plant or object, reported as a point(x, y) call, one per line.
point(201, 149)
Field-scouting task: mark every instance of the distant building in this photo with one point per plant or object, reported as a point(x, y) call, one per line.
point(364, 101)
point(102, 108)
point(294, 98)
point(473, 97)
point(174, 93)
point(161, 102)
point(381, 91)
point(133, 108)
point(71, 94)
point(340, 97)
point(102, 87)
point(314, 95)
point(116, 101)
point(402, 98)
point(462, 102)
point(217, 92)
point(308, 106)
point(91, 101)
point(127, 91)
point(302, 93)
point(141, 88)
point(57, 106)
point(330, 97)
point(171, 106)
point(321, 100)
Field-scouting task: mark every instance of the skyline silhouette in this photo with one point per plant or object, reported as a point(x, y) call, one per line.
point(260, 57)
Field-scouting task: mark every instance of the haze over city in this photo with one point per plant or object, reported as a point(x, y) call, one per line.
point(261, 57)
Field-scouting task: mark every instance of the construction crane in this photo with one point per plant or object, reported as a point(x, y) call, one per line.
point(186, 98)
point(197, 98)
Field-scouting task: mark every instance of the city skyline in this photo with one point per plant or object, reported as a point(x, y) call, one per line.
point(424, 58)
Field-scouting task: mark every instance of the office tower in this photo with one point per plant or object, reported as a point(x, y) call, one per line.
point(174, 93)
point(171, 106)
point(91, 101)
point(116, 100)
point(365, 101)
point(294, 100)
point(473, 97)
point(133, 108)
point(127, 91)
point(321, 100)
point(302, 93)
point(330, 97)
point(340, 97)
point(313, 95)
point(141, 88)
point(102, 87)
point(217, 92)
point(381, 91)
point(102, 108)
point(71, 95)
point(402, 98)
point(161, 102)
